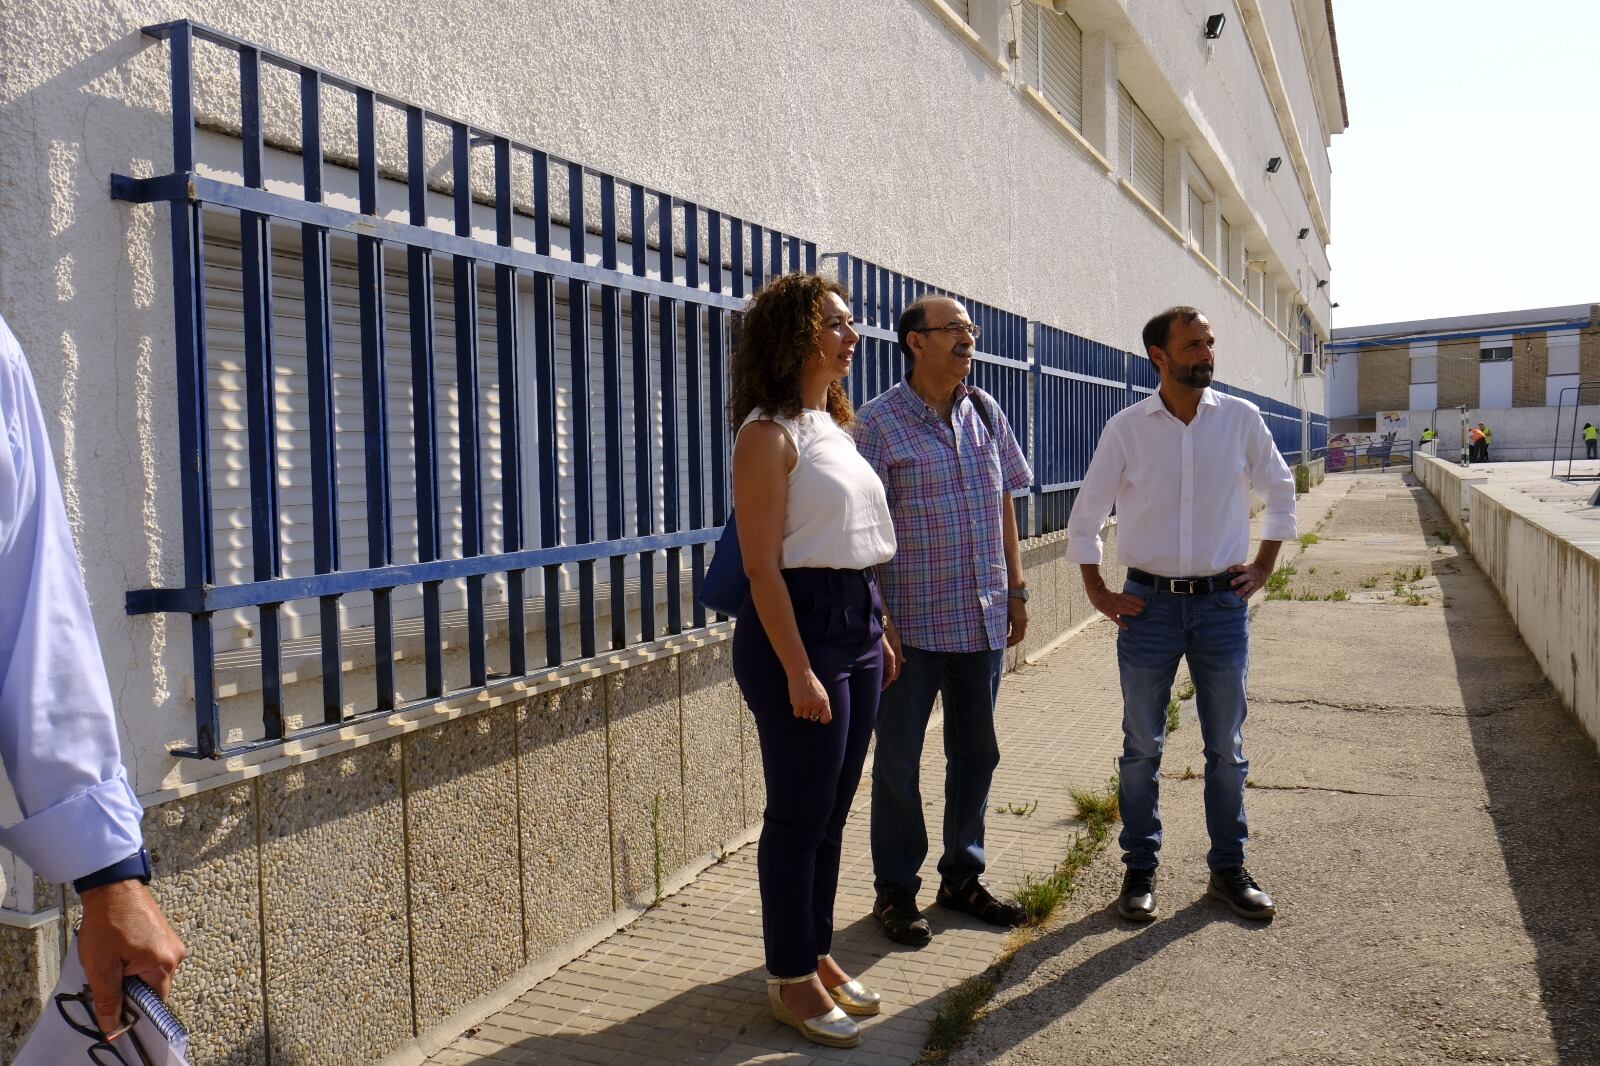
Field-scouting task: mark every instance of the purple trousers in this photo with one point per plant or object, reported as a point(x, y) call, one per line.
point(811, 769)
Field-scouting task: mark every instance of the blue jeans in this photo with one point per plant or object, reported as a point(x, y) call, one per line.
point(970, 684)
point(1211, 630)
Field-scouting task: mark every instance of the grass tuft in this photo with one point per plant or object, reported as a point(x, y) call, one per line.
point(1370, 582)
point(1338, 595)
point(1307, 539)
point(1172, 716)
point(958, 1012)
point(965, 1005)
point(1279, 580)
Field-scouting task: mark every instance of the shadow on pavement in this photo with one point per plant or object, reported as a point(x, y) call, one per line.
point(1033, 1011)
point(1542, 774)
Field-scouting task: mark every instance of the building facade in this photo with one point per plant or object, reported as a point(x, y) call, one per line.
point(1512, 370)
point(383, 350)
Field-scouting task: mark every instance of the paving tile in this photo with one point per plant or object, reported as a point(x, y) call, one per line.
point(685, 982)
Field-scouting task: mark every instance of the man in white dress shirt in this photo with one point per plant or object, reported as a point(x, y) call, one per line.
point(58, 734)
point(1179, 466)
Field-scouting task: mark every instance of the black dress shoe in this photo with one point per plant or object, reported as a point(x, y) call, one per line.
point(978, 901)
point(1234, 886)
point(1138, 900)
point(901, 920)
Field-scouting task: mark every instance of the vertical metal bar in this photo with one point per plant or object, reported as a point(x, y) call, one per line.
point(424, 428)
point(670, 448)
point(506, 337)
point(811, 258)
point(188, 269)
point(260, 402)
point(467, 428)
point(850, 276)
point(611, 383)
point(644, 511)
point(716, 369)
point(758, 276)
point(375, 400)
point(692, 390)
point(319, 373)
point(582, 442)
point(1034, 451)
point(544, 333)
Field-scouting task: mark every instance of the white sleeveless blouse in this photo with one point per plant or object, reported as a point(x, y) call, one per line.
point(837, 515)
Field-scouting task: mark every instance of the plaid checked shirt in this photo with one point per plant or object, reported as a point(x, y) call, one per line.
point(945, 589)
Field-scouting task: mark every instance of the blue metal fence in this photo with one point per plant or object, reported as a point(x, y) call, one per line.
point(630, 291)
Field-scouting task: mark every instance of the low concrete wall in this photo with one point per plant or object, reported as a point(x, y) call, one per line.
point(337, 909)
point(1521, 434)
point(1545, 561)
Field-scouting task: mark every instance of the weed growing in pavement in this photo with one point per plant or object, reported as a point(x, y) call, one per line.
point(1250, 782)
point(961, 1008)
point(1021, 810)
point(1095, 807)
point(1370, 582)
point(1418, 572)
point(1172, 716)
point(1338, 595)
point(957, 1014)
point(1307, 539)
point(1188, 774)
point(1443, 535)
point(1414, 600)
point(1184, 691)
point(1278, 581)
point(1399, 589)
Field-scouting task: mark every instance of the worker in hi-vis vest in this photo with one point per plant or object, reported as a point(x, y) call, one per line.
point(1590, 437)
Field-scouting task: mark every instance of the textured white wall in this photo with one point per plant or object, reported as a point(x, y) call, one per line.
point(869, 126)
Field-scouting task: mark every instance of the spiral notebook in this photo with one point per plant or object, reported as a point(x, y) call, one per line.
point(66, 1033)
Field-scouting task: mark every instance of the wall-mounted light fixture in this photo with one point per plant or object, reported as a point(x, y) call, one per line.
point(1305, 231)
point(1274, 163)
point(1214, 26)
point(1322, 282)
point(1333, 305)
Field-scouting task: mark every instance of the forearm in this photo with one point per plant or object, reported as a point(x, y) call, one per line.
point(1092, 581)
point(1013, 544)
point(770, 594)
point(1267, 554)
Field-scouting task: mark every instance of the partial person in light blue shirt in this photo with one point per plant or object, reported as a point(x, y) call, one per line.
point(58, 735)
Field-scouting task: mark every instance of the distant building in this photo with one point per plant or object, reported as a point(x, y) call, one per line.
point(1507, 368)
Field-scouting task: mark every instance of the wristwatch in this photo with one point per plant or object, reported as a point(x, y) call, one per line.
point(135, 867)
point(1018, 593)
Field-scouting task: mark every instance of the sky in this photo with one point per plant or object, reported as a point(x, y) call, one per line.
point(1468, 181)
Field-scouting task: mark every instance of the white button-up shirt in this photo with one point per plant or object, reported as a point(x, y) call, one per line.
point(1182, 492)
point(58, 735)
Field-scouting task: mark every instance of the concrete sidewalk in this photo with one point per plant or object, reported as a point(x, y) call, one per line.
point(685, 983)
point(1425, 812)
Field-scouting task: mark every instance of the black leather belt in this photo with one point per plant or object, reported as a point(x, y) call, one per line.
point(1183, 586)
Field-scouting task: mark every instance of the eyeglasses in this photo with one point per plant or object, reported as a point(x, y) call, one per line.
point(953, 330)
point(78, 1012)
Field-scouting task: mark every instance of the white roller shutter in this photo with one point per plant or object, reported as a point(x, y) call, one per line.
point(1050, 50)
point(230, 476)
point(1197, 221)
point(1225, 253)
point(1143, 149)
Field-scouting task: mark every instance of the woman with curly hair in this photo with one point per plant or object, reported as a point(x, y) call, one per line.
point(808, 648)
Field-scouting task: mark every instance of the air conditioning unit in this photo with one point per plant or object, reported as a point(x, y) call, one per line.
point(1308, 364)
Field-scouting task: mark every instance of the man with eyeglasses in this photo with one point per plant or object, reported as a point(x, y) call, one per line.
point(58, 733)
point(1180, 466)
point(956, 599)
